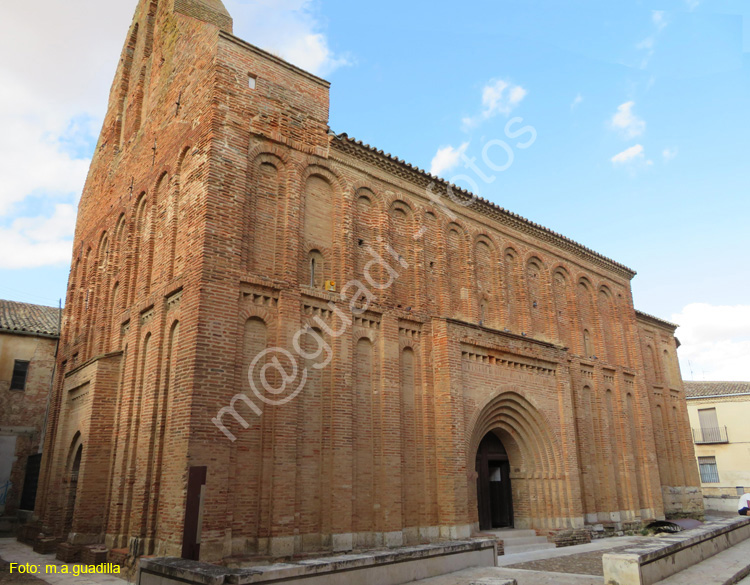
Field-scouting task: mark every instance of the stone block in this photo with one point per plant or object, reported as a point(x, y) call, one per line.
point(68, 553)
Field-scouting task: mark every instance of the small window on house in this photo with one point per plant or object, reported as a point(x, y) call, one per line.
point(316, 269)
point(20, 370)
point(709, 471)
point(710, 431)
point(252, 81)
point(708, 419)
point(588, 347)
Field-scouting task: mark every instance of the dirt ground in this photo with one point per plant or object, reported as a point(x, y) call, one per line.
point(581, 564)
point(16, 579)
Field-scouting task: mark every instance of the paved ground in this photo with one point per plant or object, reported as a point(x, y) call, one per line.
point(13, 551)
point(491, 576)
point(599, 547)
point(574, 565)
point(588, 563)
point(725, 567)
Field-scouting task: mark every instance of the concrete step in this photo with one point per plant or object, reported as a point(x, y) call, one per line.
point(524, 548)
point(508, 533)
point(524, 540)
point(726, 568)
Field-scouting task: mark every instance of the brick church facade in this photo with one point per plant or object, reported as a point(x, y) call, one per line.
point(458, 367)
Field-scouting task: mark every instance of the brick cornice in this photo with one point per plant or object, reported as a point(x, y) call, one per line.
point(645, 317)
point(505, 334)
point(395, 166)
point(94, 359)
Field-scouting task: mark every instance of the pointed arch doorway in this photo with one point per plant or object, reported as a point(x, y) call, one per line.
point(494, 494)
point(72, 491)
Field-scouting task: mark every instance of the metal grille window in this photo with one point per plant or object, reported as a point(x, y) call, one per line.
point(708, 469)
point(20, 370)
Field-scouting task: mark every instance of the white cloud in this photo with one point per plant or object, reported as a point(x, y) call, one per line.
point(447, 158)
point(629, 155)
point(692, 4)
point(647, 43)
point(669, 154)
point(498, 97)
point(53, 97)
point(312, 53)
point(627, 122)
point(659, 19)
point(496, 101)
point(31, 242)
point(288, 28)
point(576, 102)
point(34, 158)
point(715, 341)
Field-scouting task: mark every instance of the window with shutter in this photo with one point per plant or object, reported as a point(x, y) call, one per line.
point(709, 425)
point(20, 370)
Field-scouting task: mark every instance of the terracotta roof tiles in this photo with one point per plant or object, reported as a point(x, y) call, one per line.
point(702, 389)
point(31, 319)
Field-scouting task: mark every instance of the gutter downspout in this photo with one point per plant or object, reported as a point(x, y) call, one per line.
point(52, 381)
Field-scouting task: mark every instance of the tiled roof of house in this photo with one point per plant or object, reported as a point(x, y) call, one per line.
point(31, 319)
point(701, 389)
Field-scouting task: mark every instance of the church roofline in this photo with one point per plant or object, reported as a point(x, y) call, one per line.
point(271, 57)
point(646, 317)
point(492, 210)
point(422, 177)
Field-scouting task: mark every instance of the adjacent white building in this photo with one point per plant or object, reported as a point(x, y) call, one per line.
point(720, 420)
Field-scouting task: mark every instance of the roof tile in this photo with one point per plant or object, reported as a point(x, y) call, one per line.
point(699, 389)
point(26, 318)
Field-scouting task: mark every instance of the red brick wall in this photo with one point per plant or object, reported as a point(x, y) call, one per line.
point(679, 477)
point(135, 272)
point(233, 188)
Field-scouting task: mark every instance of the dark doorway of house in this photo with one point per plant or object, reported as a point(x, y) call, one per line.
point(494, 496)
point(28, 495)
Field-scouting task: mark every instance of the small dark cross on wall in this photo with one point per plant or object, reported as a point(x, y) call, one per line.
point(153, 161)
point(178, 104)
point(132, 184)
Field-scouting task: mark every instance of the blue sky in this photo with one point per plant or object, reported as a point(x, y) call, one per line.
point(640, 111)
